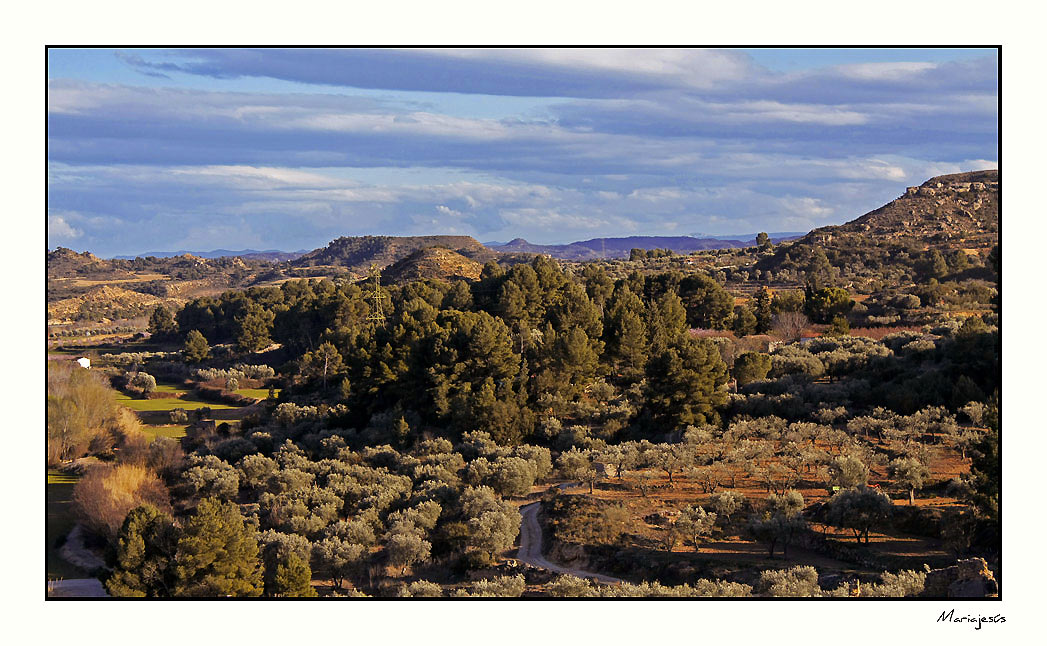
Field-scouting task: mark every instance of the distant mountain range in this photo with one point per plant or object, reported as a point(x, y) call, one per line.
point(250, 254)
point(948, 212)
point(620, 247)
point(732, 237)
point(582, 250)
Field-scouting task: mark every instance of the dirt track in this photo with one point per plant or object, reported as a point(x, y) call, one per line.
point(531, 547)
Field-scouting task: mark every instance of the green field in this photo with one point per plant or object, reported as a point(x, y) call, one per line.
point(61, 518)
point(164, 430)
point(170, 388)
point(167, 404)
point(54, 476)
point(257, 393)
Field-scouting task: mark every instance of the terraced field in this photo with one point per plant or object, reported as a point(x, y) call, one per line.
point(257, 393)
point(174, 431)
point(168, 404)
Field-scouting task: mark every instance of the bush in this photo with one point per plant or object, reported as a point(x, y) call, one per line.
point(503, 587)
point(106, 494)
point(903, 584)
point(800, 581)
point(570, 586)
point(421, 589)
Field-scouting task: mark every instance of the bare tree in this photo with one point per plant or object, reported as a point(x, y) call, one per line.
point(789, 325)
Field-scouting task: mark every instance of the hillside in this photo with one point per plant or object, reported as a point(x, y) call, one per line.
point(66, 263)
point(359, 252)
point(71, 274)
point(432, 262)
point(945, 213)
point(942, 212)
point(101, 302)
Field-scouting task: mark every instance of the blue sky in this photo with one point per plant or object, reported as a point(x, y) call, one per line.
point(156, 150)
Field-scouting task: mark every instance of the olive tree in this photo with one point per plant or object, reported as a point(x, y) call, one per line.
point(577, 464)
point(493, 524)
point(910, 473)
point(404, 548)
point(144, 382)
point(512, 476)
point(696, 525)
point(338, 557)
point(859, 510)
point(727, 502)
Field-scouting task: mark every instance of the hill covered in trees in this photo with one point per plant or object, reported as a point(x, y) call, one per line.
point(358, 253)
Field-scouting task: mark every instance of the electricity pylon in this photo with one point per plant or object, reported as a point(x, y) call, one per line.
point(375, 295)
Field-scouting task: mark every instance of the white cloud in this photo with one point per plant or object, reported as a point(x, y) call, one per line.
point(256, 176)
point(449, 212)
point(884, 71)
point(59, 229)
point(697, 68)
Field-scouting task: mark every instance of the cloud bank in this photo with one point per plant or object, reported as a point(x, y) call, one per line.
point(624, 142)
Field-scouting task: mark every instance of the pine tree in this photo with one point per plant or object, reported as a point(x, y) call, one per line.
point(763, 311)
point(162, 325)
point(292, 578)
point(253, 328)
point(707, 303)
point(575, 361)
point(763, 241)
point(574, 309)
point(751, 366)
point(744, 321)
point(625, 333)
point(685, 384)
point(195, 349)
point(217, 554)
point(458, 297)
point(145, 550)
point(667, 321)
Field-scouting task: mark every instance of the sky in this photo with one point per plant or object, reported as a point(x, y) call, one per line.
point(201, 149)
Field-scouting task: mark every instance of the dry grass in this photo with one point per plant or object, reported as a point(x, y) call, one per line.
point(105, 495)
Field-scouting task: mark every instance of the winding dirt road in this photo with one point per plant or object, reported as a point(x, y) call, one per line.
point(530, 551)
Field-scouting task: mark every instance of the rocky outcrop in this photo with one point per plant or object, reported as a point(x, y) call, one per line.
point(968, 579)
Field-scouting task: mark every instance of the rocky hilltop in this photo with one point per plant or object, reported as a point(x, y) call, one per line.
point(946, 213)
point(942, 212)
